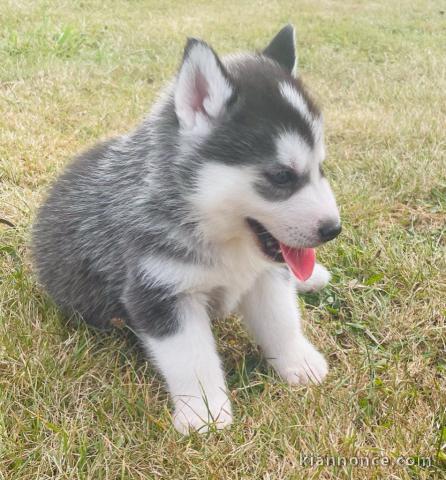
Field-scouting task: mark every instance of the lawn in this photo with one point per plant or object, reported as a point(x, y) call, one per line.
point(78, 404)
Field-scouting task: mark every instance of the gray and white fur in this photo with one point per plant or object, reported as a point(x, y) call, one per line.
point(154, 227)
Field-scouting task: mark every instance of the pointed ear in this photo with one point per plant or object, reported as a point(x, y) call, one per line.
point(282, 48)
point(203, 89)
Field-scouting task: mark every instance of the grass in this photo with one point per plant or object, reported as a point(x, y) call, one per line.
point(77, 404)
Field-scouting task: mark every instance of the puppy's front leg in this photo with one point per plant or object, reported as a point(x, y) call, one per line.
point(176, 333)
point(270, 312)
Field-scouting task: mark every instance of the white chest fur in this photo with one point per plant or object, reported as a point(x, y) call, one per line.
point(233, 274)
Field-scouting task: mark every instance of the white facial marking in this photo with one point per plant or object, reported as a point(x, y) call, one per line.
point(297, 100)
point(293, 151)
point(223, 206)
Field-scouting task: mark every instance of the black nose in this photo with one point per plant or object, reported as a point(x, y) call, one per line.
point(329, 230)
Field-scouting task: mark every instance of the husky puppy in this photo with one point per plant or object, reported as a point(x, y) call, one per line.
point(210, 206)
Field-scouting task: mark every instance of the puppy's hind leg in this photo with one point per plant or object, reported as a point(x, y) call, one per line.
point(319, 279)
point(176, 333)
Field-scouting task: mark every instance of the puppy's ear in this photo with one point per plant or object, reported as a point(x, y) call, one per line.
point(203, 89)
point(282, 48)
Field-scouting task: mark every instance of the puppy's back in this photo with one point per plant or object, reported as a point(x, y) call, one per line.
point(73, 233)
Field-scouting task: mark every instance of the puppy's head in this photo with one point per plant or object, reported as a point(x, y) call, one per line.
point(259, 138)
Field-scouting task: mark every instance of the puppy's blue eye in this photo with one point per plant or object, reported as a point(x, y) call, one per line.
point(282, 177)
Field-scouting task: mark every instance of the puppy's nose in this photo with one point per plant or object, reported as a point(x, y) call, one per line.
point(329, 230)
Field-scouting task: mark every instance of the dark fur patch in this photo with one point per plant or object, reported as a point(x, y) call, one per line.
point(282, 48)
point(246, 135)
point(152, 309)
point(272, 192)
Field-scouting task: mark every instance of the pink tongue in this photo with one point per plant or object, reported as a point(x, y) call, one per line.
point(300, 260)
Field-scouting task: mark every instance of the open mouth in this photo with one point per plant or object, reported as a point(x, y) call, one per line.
point(300, 260)
point(268, 244)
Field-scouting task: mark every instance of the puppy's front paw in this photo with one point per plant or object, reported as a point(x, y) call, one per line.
point(304, 365)
point(318, 280)
point(194, 413)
